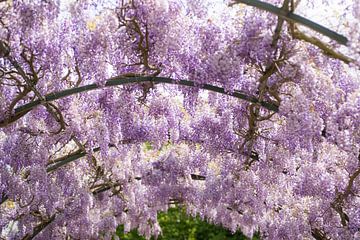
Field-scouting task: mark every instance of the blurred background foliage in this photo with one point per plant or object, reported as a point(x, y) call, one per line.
point(176, 225)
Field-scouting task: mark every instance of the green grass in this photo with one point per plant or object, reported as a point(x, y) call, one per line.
point(176, 225)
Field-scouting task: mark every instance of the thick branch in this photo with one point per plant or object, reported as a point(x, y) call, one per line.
point(318, 234)
point(294, 18)
point(280, 23)
point(296, 33)
point(338, 203)
point(39, 228)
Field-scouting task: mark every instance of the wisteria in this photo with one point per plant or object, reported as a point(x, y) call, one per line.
point(245, 112)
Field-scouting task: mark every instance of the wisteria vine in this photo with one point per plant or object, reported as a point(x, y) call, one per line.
point(98, 126)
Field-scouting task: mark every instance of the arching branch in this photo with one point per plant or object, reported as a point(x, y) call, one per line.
point(127, 80)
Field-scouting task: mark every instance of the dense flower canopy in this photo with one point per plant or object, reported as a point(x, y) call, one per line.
point(248, 119)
